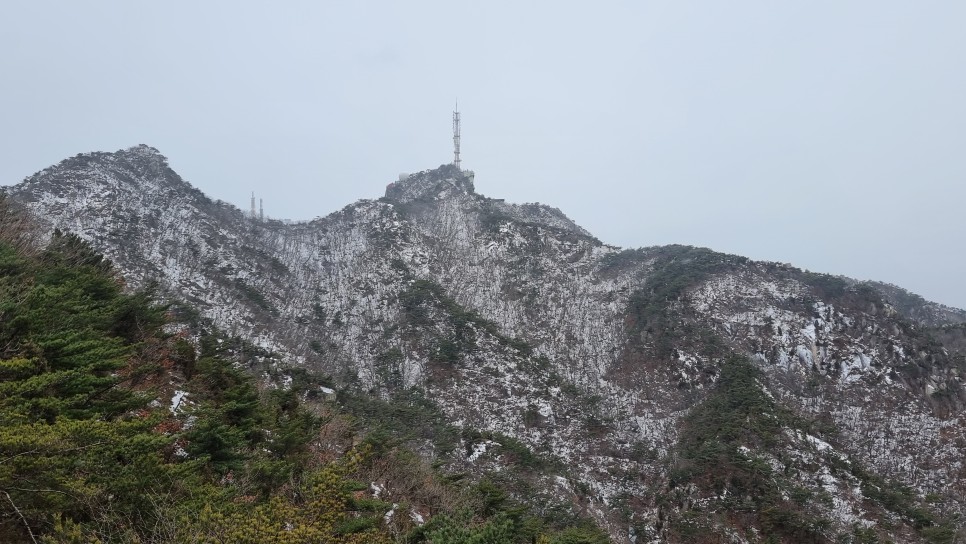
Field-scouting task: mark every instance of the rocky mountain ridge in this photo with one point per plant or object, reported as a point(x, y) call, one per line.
point(514, 320)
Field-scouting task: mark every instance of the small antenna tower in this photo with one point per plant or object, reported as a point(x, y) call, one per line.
point(456, 137)
point(261, 210)
point(253, 205)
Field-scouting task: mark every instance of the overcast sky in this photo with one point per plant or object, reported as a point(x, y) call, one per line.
point(830, 135)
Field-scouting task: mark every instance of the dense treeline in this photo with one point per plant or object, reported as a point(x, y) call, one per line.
point(88, 453)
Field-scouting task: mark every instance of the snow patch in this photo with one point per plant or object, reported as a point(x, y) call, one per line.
point(177, 400)
point(480, 448)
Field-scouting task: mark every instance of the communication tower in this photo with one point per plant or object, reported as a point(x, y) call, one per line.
point(456, 137)
point(261, 210)
point(253, 216)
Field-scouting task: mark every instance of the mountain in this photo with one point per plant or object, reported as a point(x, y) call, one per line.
point(672, 393)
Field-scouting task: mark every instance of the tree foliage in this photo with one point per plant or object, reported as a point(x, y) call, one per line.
point(74, 438)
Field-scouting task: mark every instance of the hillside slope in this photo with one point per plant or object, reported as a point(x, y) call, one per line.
point(514, 320)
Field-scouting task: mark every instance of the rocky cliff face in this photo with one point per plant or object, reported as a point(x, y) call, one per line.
point(512, 319)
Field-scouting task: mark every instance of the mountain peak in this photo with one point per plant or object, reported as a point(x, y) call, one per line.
point(136, 161)
point(142, 151)
point(447, 180)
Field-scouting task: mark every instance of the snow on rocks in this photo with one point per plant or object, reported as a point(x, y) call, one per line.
point(177, 400)
point(330, 293)
point(479, 449)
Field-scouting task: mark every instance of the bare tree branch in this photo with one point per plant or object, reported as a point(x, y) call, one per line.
point(24, 519)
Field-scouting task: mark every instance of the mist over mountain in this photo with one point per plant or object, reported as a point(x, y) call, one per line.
point(671, 393)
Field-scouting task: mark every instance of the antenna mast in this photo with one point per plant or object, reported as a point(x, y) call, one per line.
point(456, 137)
point(253, 216)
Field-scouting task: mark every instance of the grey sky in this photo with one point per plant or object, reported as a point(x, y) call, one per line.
point(831, 135)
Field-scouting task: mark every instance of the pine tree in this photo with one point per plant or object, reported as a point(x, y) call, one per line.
point(71, 444)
